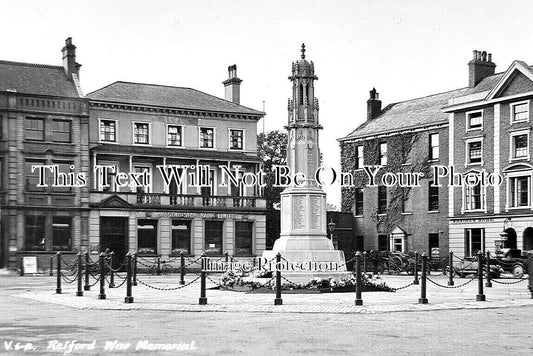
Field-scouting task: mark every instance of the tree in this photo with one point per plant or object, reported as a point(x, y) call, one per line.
point(272, 150)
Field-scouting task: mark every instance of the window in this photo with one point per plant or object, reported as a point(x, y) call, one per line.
point(64, 167)
point(359, 201)
point(32, 178)
point(144, 177)
point(434, 146)
point(383, 153)
point(433, 195)
point(174, 135)
point(359, 161)
point(474, 120)
point(474, 152)
point(474, 241)
point(61, 130)
point(397, 244)
point(213, 237)
point(243, 238)
point(520, 191)
point(181, 237)
point(206, 137)
point(382, 199)
point(108, 130)
point(35, 227)
point(520, 112)
point(433, 245)
point(236, 139)
point(34, 129)
point(61, 233)
point(474, 197)
point(147, 236)
point(519, 144)
point(141, 134)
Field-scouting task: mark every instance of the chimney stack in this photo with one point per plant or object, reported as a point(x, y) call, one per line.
point(232, 85)
point(69, 59)
point(481, 66)
point(373, 105)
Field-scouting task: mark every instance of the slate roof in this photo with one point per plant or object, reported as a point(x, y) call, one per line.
point(39, 79)
point(167, 96)
point(176, 153)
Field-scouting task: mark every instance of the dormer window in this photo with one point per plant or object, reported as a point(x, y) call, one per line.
point(474, 120)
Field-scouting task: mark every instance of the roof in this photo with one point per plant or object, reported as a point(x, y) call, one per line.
point(408, 114)
point(167, 96)
point(176, 153)
point(39, 79)
point(420, 112)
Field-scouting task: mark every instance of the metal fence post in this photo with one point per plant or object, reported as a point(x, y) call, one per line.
point(87, 285)
point(364, 262)
point(158, 266)
point(101, 263)
point(358, 279)
point(58, 272)
point(226, 256)
point(129, 275)
point(278, 300)
point(451, 270)
point(480, 297)
point(135, 268)
point(203, 298)
point(182, 268)
point(415, 272)
point(110, 269)
point(530, 272)
point(423, 299)
point(488, 283)
point(51, 266)
point(79, 292)
point(21, 264)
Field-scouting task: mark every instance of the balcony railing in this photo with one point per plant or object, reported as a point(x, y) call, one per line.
point(161, 199)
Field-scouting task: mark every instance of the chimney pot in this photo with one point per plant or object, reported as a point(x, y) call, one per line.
point(373, 105)
point(69, 59)
point(481, 66)
point(232, 85)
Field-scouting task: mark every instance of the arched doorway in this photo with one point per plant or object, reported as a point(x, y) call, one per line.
point(511, 238)
point(528, 239)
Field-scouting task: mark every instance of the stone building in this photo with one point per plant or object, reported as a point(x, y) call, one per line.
point(490, 126)
point(44, 121)
point(150, 129)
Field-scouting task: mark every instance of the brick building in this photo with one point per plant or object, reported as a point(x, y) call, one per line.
point(43, 120)
point(482, 130)
point(406, 138)
point(136, 127)
point(491, 126)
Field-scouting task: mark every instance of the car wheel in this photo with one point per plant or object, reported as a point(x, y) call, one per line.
point(518, 271)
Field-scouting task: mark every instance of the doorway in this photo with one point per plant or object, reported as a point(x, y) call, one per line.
point(114, 236)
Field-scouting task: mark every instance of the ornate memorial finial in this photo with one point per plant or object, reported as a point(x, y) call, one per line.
point(303, 51)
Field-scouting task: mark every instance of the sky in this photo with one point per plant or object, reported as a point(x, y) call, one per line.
point(405, 49)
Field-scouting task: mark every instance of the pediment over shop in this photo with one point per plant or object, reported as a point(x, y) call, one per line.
point(114, 202)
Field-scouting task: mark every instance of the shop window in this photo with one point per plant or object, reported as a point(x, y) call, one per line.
point(35, 233)
point(474, 241)
point(147, 236)
point(213, 237)
point(243, 238)
point(181, 237)
point(61, 233)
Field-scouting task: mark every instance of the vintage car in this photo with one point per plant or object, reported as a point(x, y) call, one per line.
point(469, 265)
point(512, 260)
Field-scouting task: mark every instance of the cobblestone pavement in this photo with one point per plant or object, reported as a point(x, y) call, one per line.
point(239, 323)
